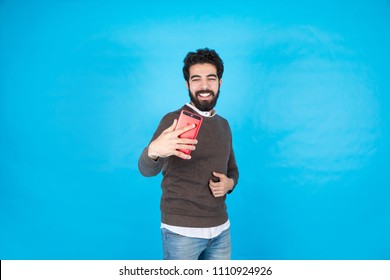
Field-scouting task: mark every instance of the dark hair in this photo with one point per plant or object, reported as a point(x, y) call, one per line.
point(202, 56)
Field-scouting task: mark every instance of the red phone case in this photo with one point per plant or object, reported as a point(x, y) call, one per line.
point(188, 118)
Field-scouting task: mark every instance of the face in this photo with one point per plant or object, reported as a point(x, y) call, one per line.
point(203, 86)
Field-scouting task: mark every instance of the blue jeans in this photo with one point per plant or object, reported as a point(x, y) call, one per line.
point(178, 247)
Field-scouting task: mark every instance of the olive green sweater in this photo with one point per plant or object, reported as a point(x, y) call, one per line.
point(186, 197)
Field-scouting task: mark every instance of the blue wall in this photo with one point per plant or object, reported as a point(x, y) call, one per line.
point(83, 85)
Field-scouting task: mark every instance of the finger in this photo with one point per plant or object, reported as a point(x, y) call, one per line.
point(187, 141)
point(182, 155)
point(213, 184)
point(219, 175)
point(212, 189)
point(217, 193)
point(185, 147)
point(172, 127)
point(185, 129)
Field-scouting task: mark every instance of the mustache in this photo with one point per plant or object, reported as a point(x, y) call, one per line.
point(205, 91)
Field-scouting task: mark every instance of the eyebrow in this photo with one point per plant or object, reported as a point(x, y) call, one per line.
point(209, 75)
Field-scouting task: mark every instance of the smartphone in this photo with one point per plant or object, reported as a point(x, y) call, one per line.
point(188, 118)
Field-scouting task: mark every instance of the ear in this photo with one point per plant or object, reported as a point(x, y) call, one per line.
point(187, 85)
point(220, 82)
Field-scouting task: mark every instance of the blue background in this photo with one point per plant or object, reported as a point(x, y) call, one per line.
point(83, 85)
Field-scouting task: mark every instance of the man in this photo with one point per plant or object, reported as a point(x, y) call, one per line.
point(194, 221)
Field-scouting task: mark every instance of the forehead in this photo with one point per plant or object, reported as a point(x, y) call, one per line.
point(202, 69)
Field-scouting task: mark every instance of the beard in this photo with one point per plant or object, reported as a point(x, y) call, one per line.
point(204, 105)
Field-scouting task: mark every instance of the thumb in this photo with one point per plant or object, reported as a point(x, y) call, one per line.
point(219, 175)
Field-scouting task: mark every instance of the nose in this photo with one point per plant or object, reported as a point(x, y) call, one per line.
point(204, 85)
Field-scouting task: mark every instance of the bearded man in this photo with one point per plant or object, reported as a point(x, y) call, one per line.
point(194, 220)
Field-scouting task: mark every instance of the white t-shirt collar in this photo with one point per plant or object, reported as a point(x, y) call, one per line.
point(209, 114)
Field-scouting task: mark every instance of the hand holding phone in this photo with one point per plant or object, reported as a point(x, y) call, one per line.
point(169, 143)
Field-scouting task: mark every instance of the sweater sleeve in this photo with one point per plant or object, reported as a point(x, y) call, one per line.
point(232, 166)
point(147, 166)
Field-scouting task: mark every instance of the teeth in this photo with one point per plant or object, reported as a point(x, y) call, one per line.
point(204, 94)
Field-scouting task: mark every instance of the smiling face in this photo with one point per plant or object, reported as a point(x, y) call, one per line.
point(203, 86)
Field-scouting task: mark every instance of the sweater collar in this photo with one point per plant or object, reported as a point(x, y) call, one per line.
point(209, 114)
